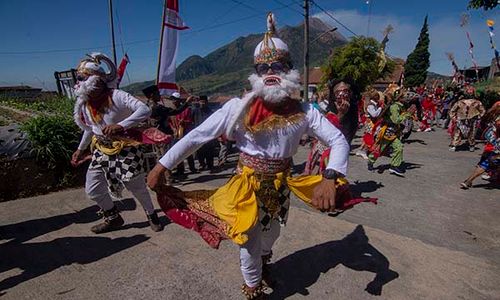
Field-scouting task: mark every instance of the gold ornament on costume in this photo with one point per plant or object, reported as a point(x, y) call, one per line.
point(271, 49)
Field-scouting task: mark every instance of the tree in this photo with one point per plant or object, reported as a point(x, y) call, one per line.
point(417, 62)
point(356, 63)
point(485, 4)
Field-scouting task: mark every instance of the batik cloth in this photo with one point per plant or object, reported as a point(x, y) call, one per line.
point(249, 197)
point(118, 168)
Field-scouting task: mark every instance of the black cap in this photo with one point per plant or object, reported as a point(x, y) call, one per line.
point(204, 97)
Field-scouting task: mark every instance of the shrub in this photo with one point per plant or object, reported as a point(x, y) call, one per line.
point(53, 138)
point(488, 98)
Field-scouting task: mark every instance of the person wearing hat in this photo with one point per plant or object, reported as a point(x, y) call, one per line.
point(105, 113)
point(162, 113)
point(267, 124)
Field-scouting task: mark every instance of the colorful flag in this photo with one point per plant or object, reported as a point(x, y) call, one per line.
point(471, 46)
point(490, 24)
point(171, 25)
point(122, 67)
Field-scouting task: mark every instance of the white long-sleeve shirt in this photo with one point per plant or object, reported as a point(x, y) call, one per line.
point(277, 144)
point(126, 111)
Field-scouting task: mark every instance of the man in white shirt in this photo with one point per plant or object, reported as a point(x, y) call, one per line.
point(106, 115)
point(267, 125)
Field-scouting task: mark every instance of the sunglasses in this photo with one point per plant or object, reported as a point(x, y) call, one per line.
point(276, 67)
point(81, 77)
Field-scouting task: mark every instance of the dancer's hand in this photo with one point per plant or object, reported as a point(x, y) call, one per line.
point(112, 129)
point(156, 176)
point(79, 158)
point(342, 108)
point(76, 157)
point(324, 195)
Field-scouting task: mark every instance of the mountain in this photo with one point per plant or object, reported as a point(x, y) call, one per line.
point(431, 77)
point(225, 70)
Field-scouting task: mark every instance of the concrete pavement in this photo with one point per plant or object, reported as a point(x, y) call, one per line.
point(426, 239)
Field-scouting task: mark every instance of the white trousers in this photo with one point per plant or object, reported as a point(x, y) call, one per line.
point(96, 188)
point(259, 243)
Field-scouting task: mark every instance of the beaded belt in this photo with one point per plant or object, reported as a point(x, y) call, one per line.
point(263, 166)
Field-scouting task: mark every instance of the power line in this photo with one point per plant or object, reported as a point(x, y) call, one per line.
point(289, 6)
point(333, 18)
point(246, 5)
point(233, 21)
point(71, 49)
point(139, 41)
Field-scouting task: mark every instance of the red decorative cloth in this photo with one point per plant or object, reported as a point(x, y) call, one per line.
point(259, 111)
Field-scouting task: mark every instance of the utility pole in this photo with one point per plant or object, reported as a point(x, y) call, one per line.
point(112, 29)
point(306, 50)
point(369, 3)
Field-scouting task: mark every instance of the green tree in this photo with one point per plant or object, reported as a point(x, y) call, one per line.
point(485, 4)
point(357, 63)
point(417, 62)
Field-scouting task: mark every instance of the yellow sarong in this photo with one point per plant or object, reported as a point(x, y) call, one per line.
point(236, 202)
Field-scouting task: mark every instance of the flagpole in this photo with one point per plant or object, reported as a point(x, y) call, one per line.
point(112, 29)
point(161, 42)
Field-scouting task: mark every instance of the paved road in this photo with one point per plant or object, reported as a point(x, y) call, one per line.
point(426, 239)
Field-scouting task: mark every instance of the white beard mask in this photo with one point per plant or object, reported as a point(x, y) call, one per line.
point(83, 89)
point(277, 87)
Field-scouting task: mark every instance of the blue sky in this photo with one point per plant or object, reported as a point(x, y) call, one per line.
point(40, 37)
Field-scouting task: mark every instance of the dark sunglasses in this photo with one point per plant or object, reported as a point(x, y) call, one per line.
point(277, 67)
point(81, 77)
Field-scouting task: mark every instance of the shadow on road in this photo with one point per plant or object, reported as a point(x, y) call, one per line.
point(36, 259)
point(421, 142)
point(405, 166)
point(27, 230)
point(296, 272)
point(358, 188)
point(487, 186)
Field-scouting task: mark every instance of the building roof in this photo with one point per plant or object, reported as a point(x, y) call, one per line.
point(315, 75)
point(395, 76)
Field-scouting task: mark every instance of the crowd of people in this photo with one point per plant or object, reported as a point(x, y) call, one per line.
point(176, 117)
point(388, 118)
point(267, 126)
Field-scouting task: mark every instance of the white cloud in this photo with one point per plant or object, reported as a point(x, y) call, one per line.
point(445, 36)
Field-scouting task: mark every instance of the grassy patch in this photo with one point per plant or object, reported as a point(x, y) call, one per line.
point(42, 105)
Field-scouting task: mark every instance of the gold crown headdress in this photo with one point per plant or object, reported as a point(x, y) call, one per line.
point(271, 48)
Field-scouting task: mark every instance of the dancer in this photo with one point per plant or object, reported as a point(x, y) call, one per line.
point(267, 125)
point(387, 136)
point(107, 116)
point(465, 116)
point(373, 107)
point(490, 159)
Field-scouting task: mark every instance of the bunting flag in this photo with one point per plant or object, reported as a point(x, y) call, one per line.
point(456, 73)
point(171, 25)
point(471, 47)
point(490, 24)
point(122, 67)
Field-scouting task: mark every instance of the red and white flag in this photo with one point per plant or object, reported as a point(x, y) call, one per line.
point(122, 67)
point(172, 23)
